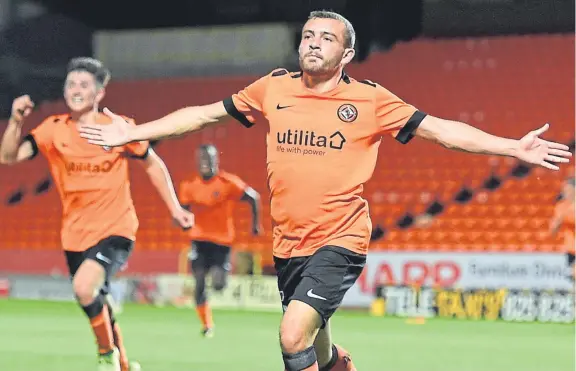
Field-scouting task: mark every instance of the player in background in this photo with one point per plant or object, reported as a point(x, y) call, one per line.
point(99, 221)
point(563, 221)
point(324, 130)
point(212, 196)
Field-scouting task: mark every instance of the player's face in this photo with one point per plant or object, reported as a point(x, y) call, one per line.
point(322, 49)
point(81, 91)
point(207, 163)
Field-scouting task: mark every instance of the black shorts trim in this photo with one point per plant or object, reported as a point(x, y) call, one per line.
point(320, 280)
point(233, 111)
point(571, 258)
point(30, 138)
point(407, 132)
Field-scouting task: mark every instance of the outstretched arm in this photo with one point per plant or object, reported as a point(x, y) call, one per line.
point(253, 198)
point(182, 121)
point(160, 178)
point(463, 137)
point(242, 106)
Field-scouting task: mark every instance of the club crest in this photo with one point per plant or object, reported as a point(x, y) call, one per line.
point(347, 113)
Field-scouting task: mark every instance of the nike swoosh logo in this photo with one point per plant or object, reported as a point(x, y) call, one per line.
point(282, 107)
point(314, 296)
point(99, 256)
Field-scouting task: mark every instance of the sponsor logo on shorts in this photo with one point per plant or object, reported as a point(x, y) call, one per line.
point(314, 296)
point(101, 257)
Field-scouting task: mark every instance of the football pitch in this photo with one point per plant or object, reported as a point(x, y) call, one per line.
point(48, 336)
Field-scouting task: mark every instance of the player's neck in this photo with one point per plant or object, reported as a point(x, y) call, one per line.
point(207, 177)
point(322, 83)
point(86, 116)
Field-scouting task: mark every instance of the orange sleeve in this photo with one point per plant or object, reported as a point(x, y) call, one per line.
point(237, 186)
point(42, 137)
point(396, 117)
point(246, 105)
point(137, 149)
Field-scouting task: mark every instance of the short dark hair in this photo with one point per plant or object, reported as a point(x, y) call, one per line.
point(94, 66)
point(349, 34)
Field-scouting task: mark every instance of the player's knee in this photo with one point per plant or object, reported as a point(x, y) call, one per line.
point(219, 283)
point(299, 327)
point(293, 339)
point(84, 290)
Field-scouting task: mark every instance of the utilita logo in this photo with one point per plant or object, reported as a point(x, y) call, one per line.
point(86, 167)
point(306, 138)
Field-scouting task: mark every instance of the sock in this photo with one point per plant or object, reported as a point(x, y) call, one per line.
point(99, 317)
point(333, 360)
point(205, 315)
point(118, 341)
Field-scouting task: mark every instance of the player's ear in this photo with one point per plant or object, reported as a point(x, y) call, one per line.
point(100, 95)
point(348, 55)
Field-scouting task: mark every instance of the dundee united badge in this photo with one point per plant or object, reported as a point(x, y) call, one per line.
point(347, 113)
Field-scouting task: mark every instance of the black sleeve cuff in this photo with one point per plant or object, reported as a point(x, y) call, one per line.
point(407, 132)
point(30, 138)
point(233, 111)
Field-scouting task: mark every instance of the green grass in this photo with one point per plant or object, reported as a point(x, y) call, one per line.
point(50, 336)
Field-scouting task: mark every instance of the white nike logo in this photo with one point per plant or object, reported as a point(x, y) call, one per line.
point(314, 296)
point(100, 256)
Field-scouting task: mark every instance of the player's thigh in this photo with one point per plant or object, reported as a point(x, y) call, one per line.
point(326, 278)
point(86, 275)
point(219, 261)
point(220, 257)
point(89, 278)
point(73, 260)
point(289, 275)
point(198, 257)
point(110, 253)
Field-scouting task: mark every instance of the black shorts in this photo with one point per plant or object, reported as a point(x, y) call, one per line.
point(320, 280)
point(111, 253)
point(205, 255)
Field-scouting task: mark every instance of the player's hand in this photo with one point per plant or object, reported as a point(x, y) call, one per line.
point(256, 230)
point(21, 108)
point(537, 151)
point(184, 218)
point(117, 133)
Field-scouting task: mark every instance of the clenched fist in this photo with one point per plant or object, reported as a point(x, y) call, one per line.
point(21, 108)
